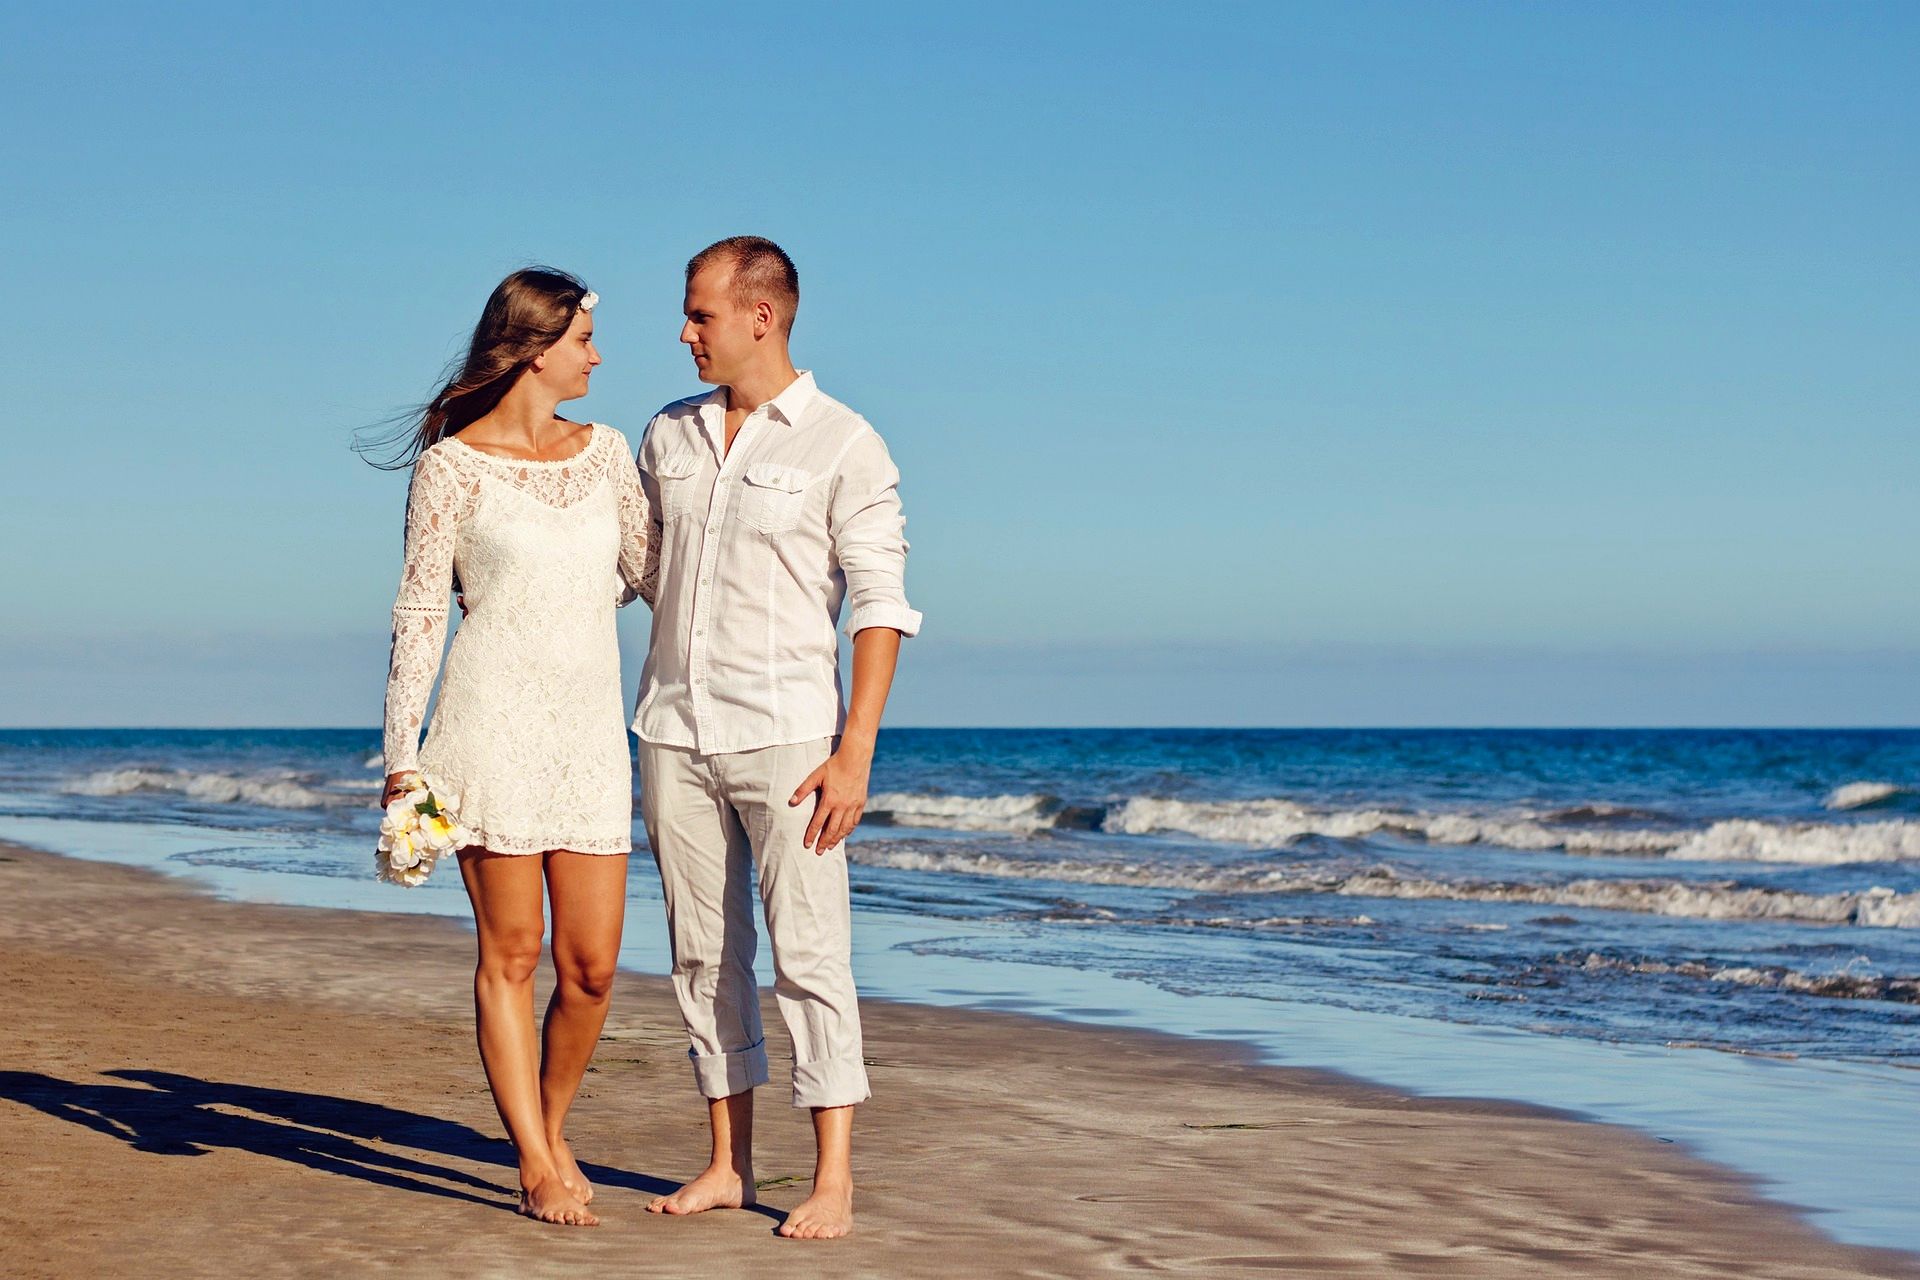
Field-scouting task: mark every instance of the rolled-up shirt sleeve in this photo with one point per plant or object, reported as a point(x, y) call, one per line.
point(869, 538)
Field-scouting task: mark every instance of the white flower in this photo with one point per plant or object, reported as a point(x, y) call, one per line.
point(589, 300)
point(411, 841)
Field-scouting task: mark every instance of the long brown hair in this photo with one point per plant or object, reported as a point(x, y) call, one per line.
point(527, 312)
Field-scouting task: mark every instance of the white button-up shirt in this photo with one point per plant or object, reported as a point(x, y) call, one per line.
point(759, 548)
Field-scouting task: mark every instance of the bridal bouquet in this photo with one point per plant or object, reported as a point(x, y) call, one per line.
point(418, 827)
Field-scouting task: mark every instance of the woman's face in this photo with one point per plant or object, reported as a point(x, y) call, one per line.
point(565, 367)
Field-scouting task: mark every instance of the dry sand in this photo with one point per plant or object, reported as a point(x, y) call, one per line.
point(193, 1087)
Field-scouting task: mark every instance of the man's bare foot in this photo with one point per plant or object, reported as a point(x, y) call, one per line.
point(570, 1174)
point(549, 1201)
point(827, 1214)
point(718, 1187)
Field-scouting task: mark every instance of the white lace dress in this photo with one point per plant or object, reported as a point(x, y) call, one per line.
point(530, 728)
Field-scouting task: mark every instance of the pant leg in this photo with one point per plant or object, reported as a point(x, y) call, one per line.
point(705, 871)
point(809, 921)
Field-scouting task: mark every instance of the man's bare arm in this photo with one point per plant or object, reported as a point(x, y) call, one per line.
point(842, 780)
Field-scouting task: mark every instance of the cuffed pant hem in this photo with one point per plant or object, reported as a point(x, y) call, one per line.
point(721, 1075)
point(830, 1082)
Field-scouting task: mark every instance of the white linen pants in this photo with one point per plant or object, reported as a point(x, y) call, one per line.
point(711, 820)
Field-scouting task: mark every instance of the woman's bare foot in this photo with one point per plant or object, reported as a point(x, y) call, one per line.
point(549, 1200)
point(825, 1215)
point(570, 1174)
point(718, 1187)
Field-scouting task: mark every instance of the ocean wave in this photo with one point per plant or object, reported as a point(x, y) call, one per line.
point(1867, 795)
point(211, 788)
point(1593, 829)
point(1877, 907)
point(1023, 814)
point(1845, 983)
point(1281, 822)
point(1805, 843)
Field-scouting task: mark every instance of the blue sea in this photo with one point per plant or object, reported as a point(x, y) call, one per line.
point(1712, 935)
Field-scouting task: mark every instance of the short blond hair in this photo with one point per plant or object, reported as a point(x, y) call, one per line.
point(761, 270)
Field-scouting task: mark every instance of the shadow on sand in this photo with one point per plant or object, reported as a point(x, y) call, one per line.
point(176, 1115)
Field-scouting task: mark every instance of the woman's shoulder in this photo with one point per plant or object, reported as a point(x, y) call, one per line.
point(439, 459)
point(614, 440)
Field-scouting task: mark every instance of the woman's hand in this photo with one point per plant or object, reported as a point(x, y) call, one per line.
point(398, 784)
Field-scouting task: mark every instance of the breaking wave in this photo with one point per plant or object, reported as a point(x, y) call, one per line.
point(211, 788)
point(1805, 843)
point(1278, 823)
point(1877, 907)
point(1868, 795)
point(1024, 814)
point(1843, 983)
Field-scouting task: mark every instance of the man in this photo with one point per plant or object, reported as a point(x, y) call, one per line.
point(775, 504)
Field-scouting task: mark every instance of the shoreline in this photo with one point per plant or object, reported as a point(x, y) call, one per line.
point(320, 1062)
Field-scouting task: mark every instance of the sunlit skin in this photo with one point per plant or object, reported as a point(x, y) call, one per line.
point(535, 1075)
point(742, 346)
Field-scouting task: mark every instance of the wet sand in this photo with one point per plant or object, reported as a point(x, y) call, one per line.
point(192, 1087)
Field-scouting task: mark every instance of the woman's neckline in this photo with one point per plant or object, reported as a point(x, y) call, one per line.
point(593, 435)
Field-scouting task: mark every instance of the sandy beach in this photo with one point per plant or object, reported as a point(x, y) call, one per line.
point(193, 1087)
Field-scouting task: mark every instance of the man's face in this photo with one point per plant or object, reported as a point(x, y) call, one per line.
point(719, 331)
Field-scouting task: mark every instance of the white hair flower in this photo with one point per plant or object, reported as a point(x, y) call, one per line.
point(589, 300)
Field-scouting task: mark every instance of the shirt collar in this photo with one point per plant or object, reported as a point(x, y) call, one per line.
point(788, 407)
point(793, 402)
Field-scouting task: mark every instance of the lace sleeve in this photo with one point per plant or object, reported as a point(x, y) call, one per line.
point(434, 503)
point(639, 534)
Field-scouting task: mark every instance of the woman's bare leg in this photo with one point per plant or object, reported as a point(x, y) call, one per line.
point(506, 896)
point(589, 895)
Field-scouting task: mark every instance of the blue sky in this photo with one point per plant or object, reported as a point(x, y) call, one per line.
point(1268, 364)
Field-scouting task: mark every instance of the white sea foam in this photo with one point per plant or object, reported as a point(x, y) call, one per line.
point(1805, 843)
point(374, 761)
point(1862, 795)
point(1877, 907)
point(1275, 823)
point(1854, 980)
point(212, 788)
point(964, 813)
point(1281, 822)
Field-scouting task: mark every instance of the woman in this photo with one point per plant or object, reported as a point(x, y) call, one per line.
point(542, 524)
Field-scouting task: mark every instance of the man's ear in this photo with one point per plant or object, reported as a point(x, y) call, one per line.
point(762, 319)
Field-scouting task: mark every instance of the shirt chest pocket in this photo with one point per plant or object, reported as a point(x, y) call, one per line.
point(679, 479)
point(772, 496)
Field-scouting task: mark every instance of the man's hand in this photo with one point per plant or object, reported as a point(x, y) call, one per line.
point(842, 784)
